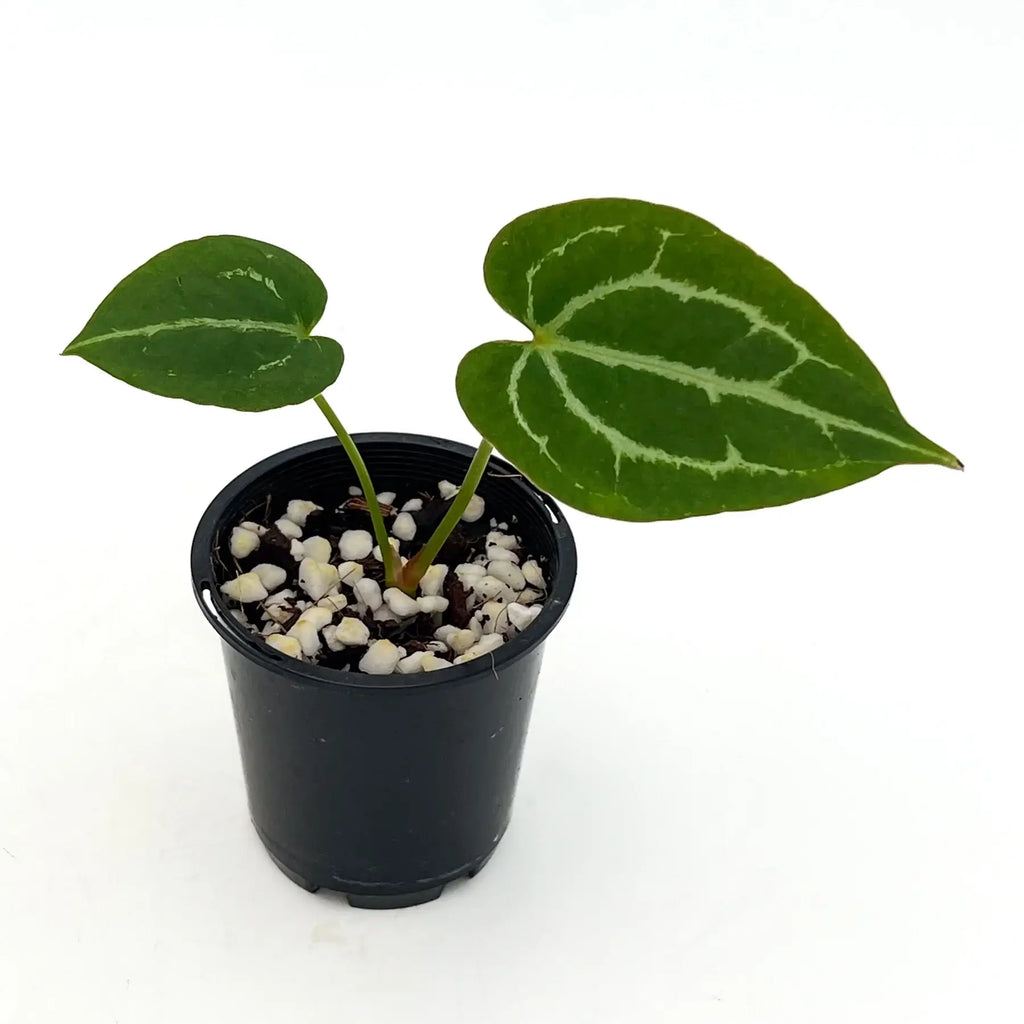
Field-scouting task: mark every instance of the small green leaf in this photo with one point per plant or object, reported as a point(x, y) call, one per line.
point(673, 372)
point(221, 320)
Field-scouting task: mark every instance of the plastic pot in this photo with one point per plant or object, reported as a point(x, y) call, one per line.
point(384, 788)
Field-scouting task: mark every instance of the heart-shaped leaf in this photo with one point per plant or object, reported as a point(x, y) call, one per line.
point(221, 320)
point(673, 372)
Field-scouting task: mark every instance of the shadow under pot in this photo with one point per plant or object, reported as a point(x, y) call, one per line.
point(384, 788)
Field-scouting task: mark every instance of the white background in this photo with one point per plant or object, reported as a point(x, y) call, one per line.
point(801, 799)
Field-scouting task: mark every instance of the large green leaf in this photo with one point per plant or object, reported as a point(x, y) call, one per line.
point(221, 320)
point(673, 372)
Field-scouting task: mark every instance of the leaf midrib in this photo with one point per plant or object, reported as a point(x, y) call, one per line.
point(190, 323)
point(714, 386)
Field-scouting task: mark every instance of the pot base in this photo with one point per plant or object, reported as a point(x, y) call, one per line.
point(365, 899)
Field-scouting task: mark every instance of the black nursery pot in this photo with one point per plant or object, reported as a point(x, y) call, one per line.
point(384, 788)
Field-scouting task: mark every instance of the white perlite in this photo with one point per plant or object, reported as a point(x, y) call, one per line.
point(509, 574)
point(520, 616)
point(432, 580)
point(318, 548)
point(487, 645)
point(404, 526)
point(498, 553)
point(291, 530)
point(386, 497)
point(243, 542)
point(534, 575)
point(352, 632)
point(447, 489)
point(355, 545)
point(474, 510)
point(503, 598)
point(317, 578)
point(381, 658)
point(400, 602)
point(412, 663)
point(368, 591)
point(285, 644)
point(393, 541)
point(307, 628)
point(350, 573)
point(271, 576)
point(298, 511)
point(245, 588)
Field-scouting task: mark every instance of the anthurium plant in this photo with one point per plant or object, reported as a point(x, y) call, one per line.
point(670, 370)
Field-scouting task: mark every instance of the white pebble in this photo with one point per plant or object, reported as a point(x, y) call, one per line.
point(335, 602)
point(308, 636)
point(461, 640)
point(501, 540)
point(317, 578)
point(474, 510)
point(487, 588)
point(520, 616)
point(281, 597)
point(534, 575)
point(350, 573)
point(431, 663)
point(286, 645)
point(244, 588)
point(447, 489)
point(433, 580)
point(318, 548)
point(384, 614)
point(413, 505)
point(298, 511)
point(354, 545)
point(393, 541)
point(404, 527)
point(413, 663)
point(437, 647)
point(330, 635)
point(368, 591)
point(432, 604)
point(442, 633)
point(496, 553)
point(270, 629)
point(401, 603)
point(469, 573)
point(528, 596)
point(487, 645)
point(243, 542)
point(255, 527)
point(291, 530)
point(355, 492)
point(386, 497)
point(238, 614)
point(508, 573)
point(352, 632)
point(271, 576)
point(380, 659)
point(297, 551)
point(493, 616)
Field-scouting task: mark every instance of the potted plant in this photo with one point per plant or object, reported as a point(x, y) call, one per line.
point(383, 600)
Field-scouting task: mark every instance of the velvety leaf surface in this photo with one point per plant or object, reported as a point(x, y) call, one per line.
point(220, 320)
point(673, 371)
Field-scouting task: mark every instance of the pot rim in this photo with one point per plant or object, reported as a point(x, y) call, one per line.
point(232, 632)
